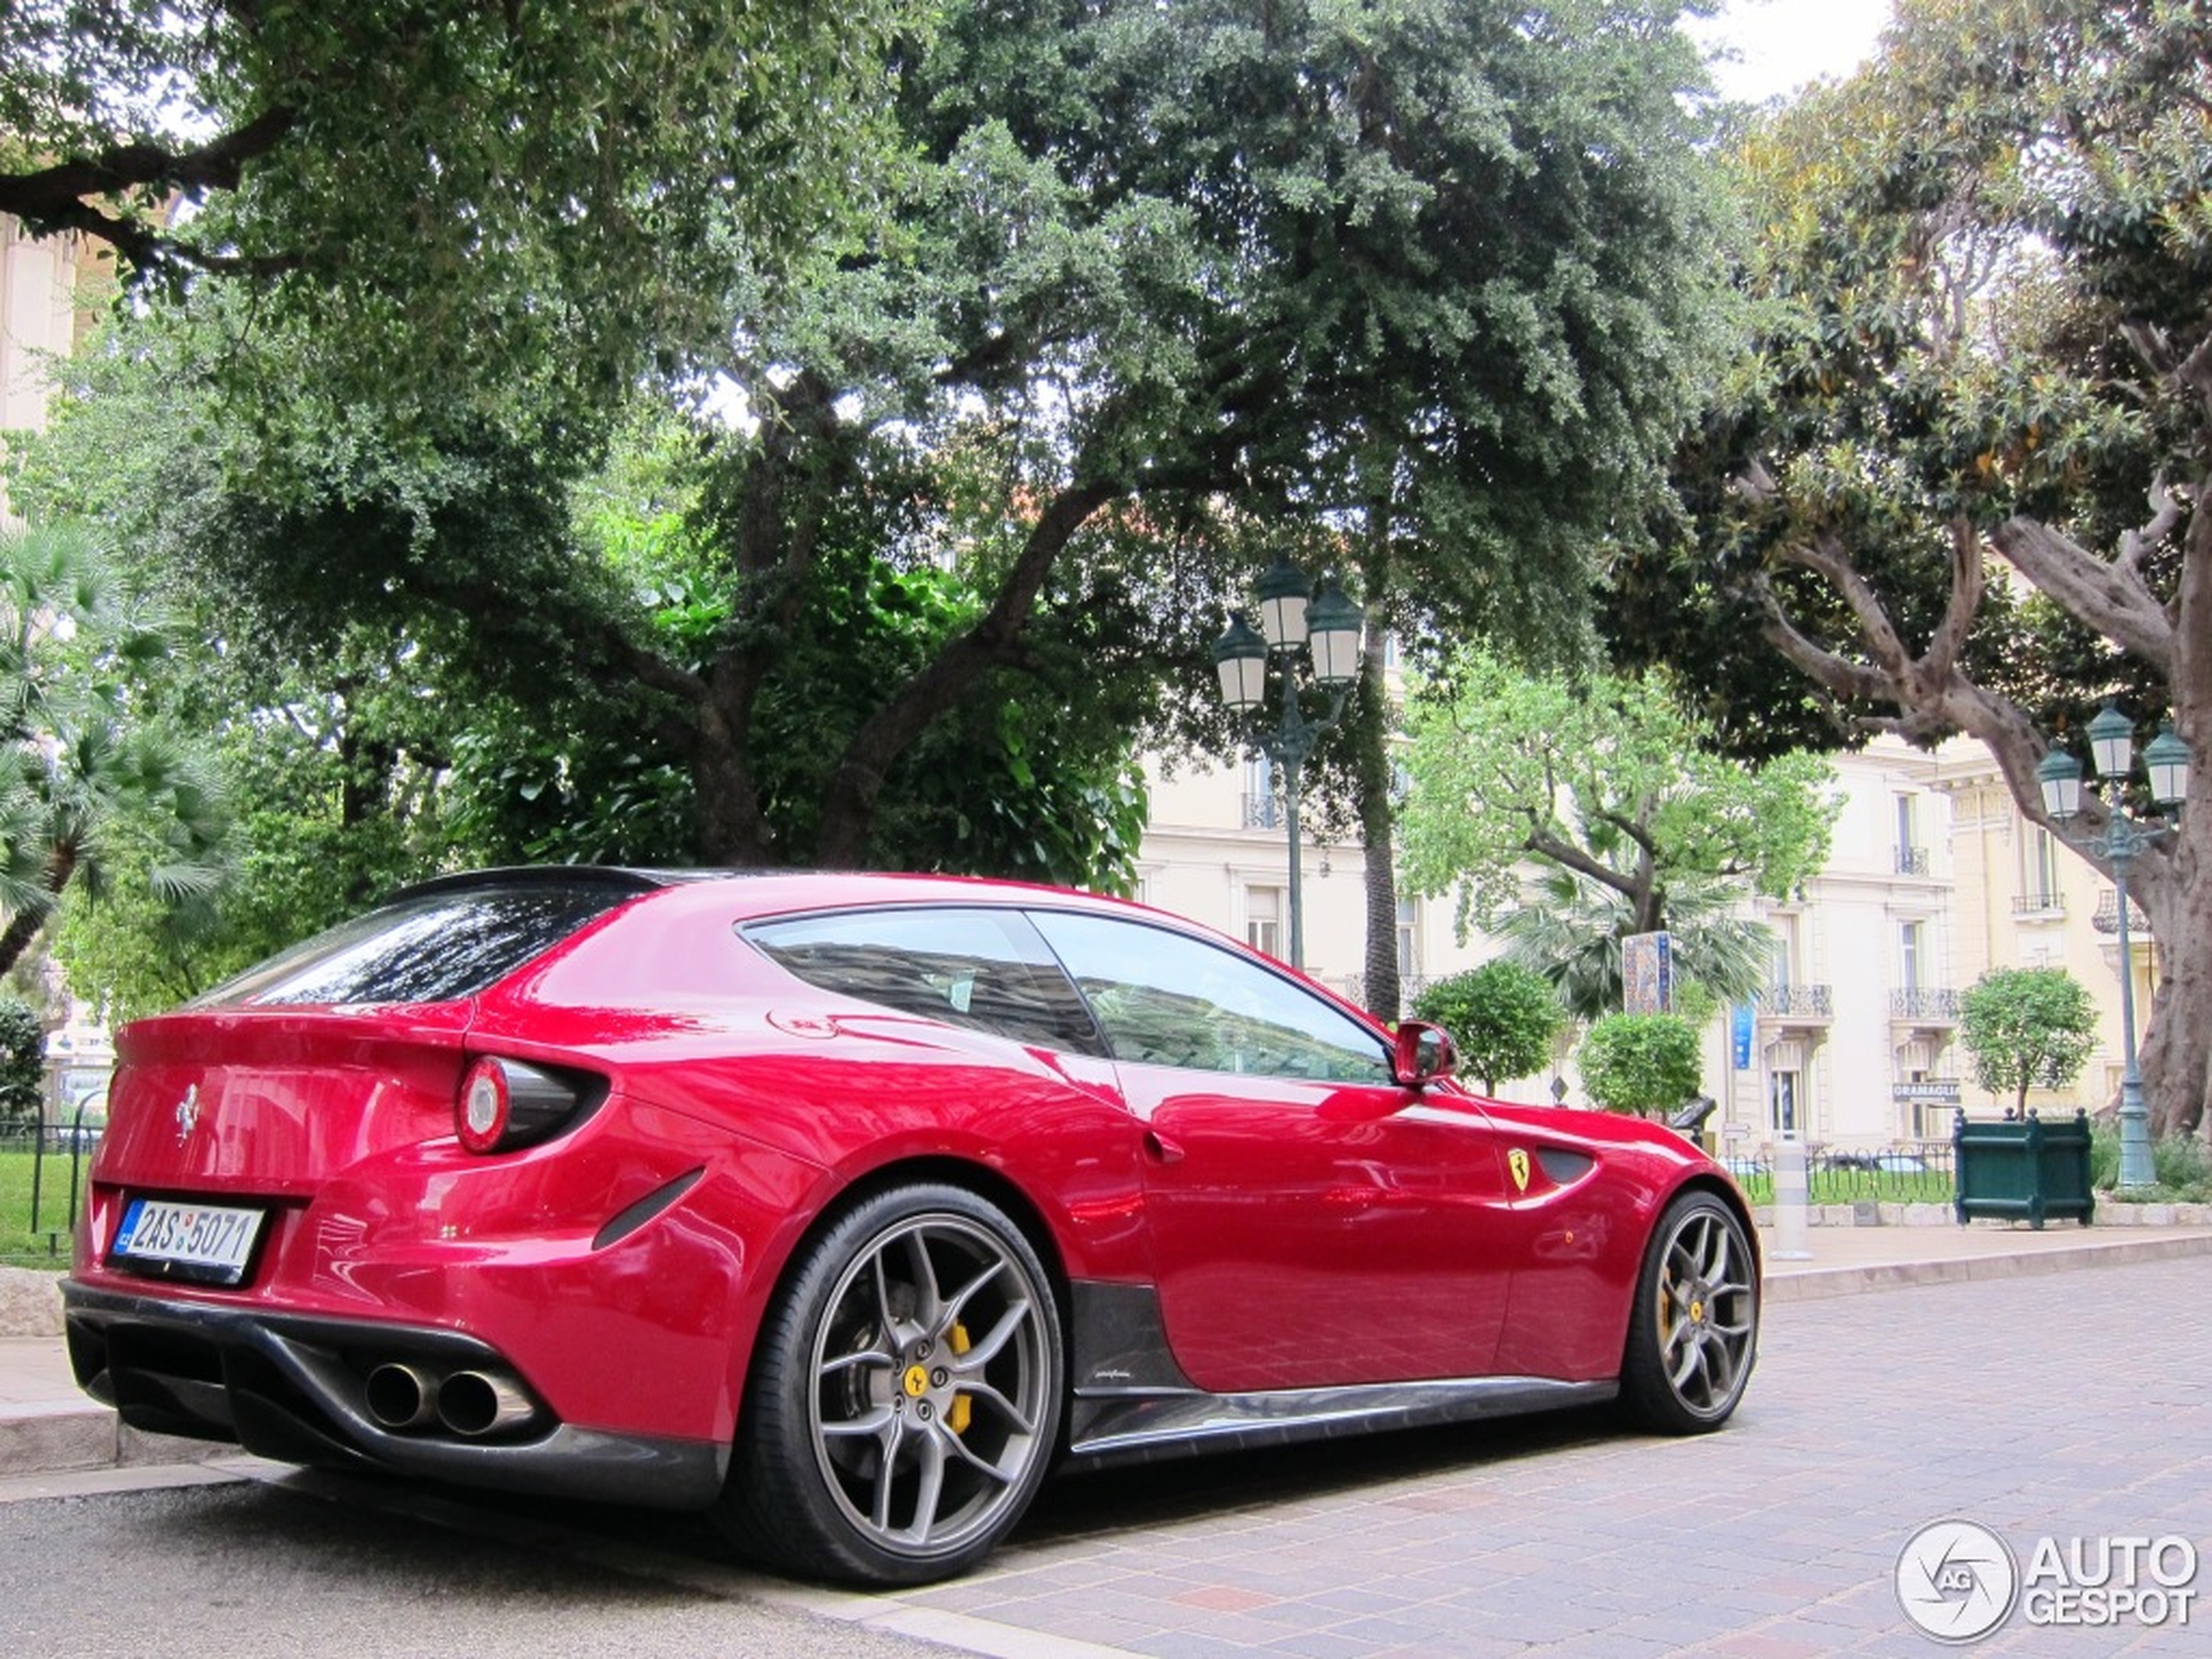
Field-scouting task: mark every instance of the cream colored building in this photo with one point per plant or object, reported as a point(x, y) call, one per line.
point(2026, 900)
point(1853, 1041)
point(39, 318)
point(1932, 879)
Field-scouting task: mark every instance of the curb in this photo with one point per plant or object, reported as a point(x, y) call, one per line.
point(67, 1437)
point(1818, 1284)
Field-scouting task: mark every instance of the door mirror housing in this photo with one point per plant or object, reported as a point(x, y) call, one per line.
point(1424, 1053)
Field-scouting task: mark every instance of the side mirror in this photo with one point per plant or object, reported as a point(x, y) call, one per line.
point(1424, 1055)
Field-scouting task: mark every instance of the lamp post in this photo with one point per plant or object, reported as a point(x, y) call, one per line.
point(1323, 628)
point(2112, 748)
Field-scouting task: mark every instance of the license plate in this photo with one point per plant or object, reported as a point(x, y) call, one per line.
point(201, 1241)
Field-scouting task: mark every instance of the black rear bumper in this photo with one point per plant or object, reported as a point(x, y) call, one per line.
point(293, 1388)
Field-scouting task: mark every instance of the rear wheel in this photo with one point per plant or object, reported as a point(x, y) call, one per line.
point(905, 1397)
point(1693, 1334)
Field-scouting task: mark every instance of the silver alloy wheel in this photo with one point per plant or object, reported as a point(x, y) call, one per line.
point(1707, 1311)
point(930, 1374)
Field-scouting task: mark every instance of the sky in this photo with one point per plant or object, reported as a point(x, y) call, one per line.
point(1786, 43)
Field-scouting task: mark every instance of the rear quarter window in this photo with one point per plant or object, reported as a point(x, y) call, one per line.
point(429, 949)
point(982, 968)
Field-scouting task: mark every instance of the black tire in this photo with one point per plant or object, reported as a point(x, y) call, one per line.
point(1694, 1329)
point(905, 1396)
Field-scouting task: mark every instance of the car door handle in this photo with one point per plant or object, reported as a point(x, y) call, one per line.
point(1161, 1148)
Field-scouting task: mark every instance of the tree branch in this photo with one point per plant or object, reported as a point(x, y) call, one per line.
point(53, 200)
point(997, 637)
point(2106, 594)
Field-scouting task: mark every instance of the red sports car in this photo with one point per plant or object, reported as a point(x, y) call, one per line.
point(846, 1206)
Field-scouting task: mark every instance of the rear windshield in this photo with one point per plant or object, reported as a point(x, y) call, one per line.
point(429, 949)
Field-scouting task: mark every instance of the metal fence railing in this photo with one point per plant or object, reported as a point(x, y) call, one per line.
point(1901, 1172)
point(43, 1167)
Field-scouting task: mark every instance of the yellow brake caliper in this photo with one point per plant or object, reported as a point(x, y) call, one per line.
point(957, 1417)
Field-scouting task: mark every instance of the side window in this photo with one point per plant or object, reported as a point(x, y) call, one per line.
point(986, 969)
point(1163, 999)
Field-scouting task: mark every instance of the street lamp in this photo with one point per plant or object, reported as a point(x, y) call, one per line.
point(2112, 745)
point(1323, 628)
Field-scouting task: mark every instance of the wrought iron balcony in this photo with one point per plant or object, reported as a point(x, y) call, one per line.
point(1912, 860)
point(1797, 1002)
point(1262, 812)
point(2106, 920)
point(1925, 1004)
point(2039, 904)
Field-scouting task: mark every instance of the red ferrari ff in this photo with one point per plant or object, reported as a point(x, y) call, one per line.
point(846, 1206)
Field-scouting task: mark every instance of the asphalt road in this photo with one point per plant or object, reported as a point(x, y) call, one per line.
point(2073, 1406)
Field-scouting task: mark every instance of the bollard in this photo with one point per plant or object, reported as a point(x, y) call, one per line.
point(1790, 1201)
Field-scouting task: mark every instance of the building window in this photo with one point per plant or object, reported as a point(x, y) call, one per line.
point(1264, 920)
point(1261, 811)
point(1785, 951)
point(1782, 1103)
point(1408, 955)
point(2040, 882)
point(1911, 857)
point(1911, 959)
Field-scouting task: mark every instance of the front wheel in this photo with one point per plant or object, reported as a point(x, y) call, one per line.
point(904, 1398)
point(1693, 1334)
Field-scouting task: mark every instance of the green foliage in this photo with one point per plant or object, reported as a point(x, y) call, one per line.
point(2182, 1166)
point(954, 554)
point(1611, 787)
point(1570, 929)
point(459, 197)
point(2027, 1028)
point(1503, 1019)
point(81, 768)
point(1608, 777)
point(1639, 1062)
point(23, 1055)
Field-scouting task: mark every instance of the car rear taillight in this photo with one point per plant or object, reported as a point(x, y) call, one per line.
point(506, 1103)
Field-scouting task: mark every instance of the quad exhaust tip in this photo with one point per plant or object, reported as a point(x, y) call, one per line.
point(476, 1403)
point(399, 1396)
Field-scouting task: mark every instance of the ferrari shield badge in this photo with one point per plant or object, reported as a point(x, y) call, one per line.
point(1517, 1161)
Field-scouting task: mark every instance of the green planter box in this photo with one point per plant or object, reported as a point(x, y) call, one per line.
point(2023, 1168)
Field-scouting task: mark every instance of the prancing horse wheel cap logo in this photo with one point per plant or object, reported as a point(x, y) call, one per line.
point(1957, 1581)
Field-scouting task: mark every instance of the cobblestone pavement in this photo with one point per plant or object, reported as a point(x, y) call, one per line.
point(2036, 1403)
point(2067, 1405)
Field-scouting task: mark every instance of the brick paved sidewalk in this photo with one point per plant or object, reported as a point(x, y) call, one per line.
point(2067, 1404)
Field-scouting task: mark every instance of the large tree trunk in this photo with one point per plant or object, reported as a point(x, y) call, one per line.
point(1932, 694)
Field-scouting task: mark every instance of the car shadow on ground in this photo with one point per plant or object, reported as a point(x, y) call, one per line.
point(1075, 1506)
point(1076, 1502)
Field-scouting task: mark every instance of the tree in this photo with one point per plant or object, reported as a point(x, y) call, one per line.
point(1503, 1018)
point(77, 765)
point(1609, 780)
point(465, 192)
point(1569, 930)
point(23, 1061)
point(1145, 262)
point(2027, 1028)
point(1985, 288)
point(1639, 1062)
